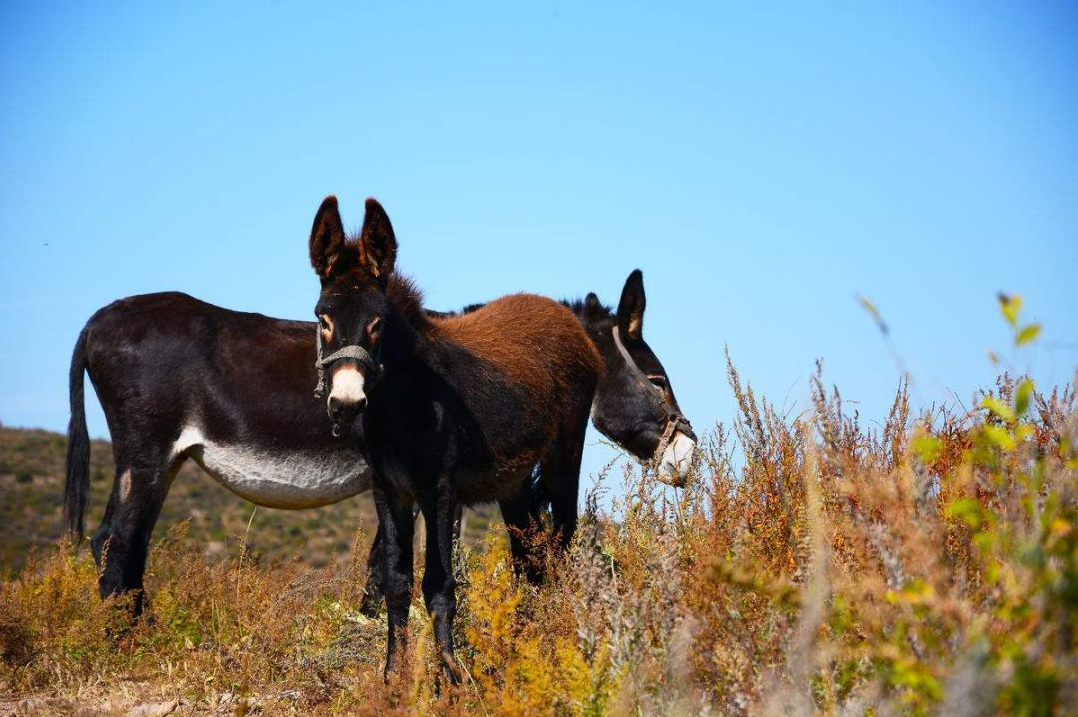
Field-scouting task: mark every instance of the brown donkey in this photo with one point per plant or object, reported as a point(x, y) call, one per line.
point(458, 409)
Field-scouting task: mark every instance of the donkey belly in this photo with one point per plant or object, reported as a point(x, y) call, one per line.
point(476, 486)
point(278, 478)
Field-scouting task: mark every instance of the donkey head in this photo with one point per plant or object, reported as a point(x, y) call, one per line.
point(634, 404)
point(352, 306)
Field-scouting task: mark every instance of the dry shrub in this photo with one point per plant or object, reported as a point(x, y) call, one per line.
point(928, 567)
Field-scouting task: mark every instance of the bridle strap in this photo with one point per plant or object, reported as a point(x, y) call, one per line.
point(672, 424)
point(372, 368)
point(674, 419)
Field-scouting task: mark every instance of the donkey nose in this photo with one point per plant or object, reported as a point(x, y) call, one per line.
point(676, 462)
point(342, 411)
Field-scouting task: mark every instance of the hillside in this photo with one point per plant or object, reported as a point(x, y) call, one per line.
point(31, 500)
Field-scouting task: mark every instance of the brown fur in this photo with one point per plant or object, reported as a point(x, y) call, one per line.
point(543, 356)
point(463, 409)
point(545, 353)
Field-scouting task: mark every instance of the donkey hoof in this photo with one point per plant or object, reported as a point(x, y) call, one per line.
point(392, 675)
point(450, 669)
point(394, 670)
point(370, 606)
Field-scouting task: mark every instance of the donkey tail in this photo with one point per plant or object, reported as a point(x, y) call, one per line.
point(77, 485)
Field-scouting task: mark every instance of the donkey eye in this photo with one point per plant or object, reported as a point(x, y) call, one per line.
point(657, 380)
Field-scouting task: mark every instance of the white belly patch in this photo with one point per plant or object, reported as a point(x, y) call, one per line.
point(278, 478)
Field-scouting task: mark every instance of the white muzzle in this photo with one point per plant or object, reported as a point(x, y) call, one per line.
point(676, 460)
point(347, 386)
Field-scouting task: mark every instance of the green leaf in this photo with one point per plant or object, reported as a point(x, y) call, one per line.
point(984, 540)
point(998, 437)
point(1027, 334)
point(1022, 396)
point(999, 408)
point(968, 510)
point(927, 447)
point(1009, 306)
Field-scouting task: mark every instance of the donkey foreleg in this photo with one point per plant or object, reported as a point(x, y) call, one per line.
point(441, 515)
point(396, 523)
point(374, 591)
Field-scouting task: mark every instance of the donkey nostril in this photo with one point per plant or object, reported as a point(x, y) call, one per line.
point(345, 410)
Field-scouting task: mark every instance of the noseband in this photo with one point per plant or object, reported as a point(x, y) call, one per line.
point(372, 368)
point(675, 420)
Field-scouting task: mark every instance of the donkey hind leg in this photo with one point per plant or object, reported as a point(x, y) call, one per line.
point(374, 592)
point(122, 540)
point(522, 520)
point(560, 475)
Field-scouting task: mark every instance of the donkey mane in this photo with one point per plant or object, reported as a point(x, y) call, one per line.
point(591, 313)
point(407, 298)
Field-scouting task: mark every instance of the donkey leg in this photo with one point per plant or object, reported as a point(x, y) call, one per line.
point(563, 501)
point(458, 521)
point(121, 542)
point(396, 521)
point(439, 582)
point(521, 521)
point(561, 478)
point(375, 589)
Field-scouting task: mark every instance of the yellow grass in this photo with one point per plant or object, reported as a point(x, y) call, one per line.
point(814, 566)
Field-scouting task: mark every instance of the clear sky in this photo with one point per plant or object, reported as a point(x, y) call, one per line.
point(762, 165)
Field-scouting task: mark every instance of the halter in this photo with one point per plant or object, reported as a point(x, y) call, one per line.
point(373, 369)
point(675, 420)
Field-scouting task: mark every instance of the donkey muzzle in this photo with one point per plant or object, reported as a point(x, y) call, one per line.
point(675, 463)
point(347, 398)
point(345, 412)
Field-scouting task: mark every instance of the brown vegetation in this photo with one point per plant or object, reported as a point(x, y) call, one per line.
point(814, 565)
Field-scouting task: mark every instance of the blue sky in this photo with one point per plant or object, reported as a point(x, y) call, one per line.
point(762, 165)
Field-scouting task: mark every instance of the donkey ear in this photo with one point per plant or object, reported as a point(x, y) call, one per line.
point(631, 307)
point(593, 308)
point(327, 238)
point(377, 244)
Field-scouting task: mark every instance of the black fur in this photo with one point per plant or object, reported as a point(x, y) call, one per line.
point(161, 361)
point(462, 412)
point(77, 483)
point(624, 410)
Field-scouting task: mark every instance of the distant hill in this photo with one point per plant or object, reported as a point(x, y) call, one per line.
point(31, 499)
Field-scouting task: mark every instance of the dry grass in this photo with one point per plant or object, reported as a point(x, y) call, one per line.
point(930, 567)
